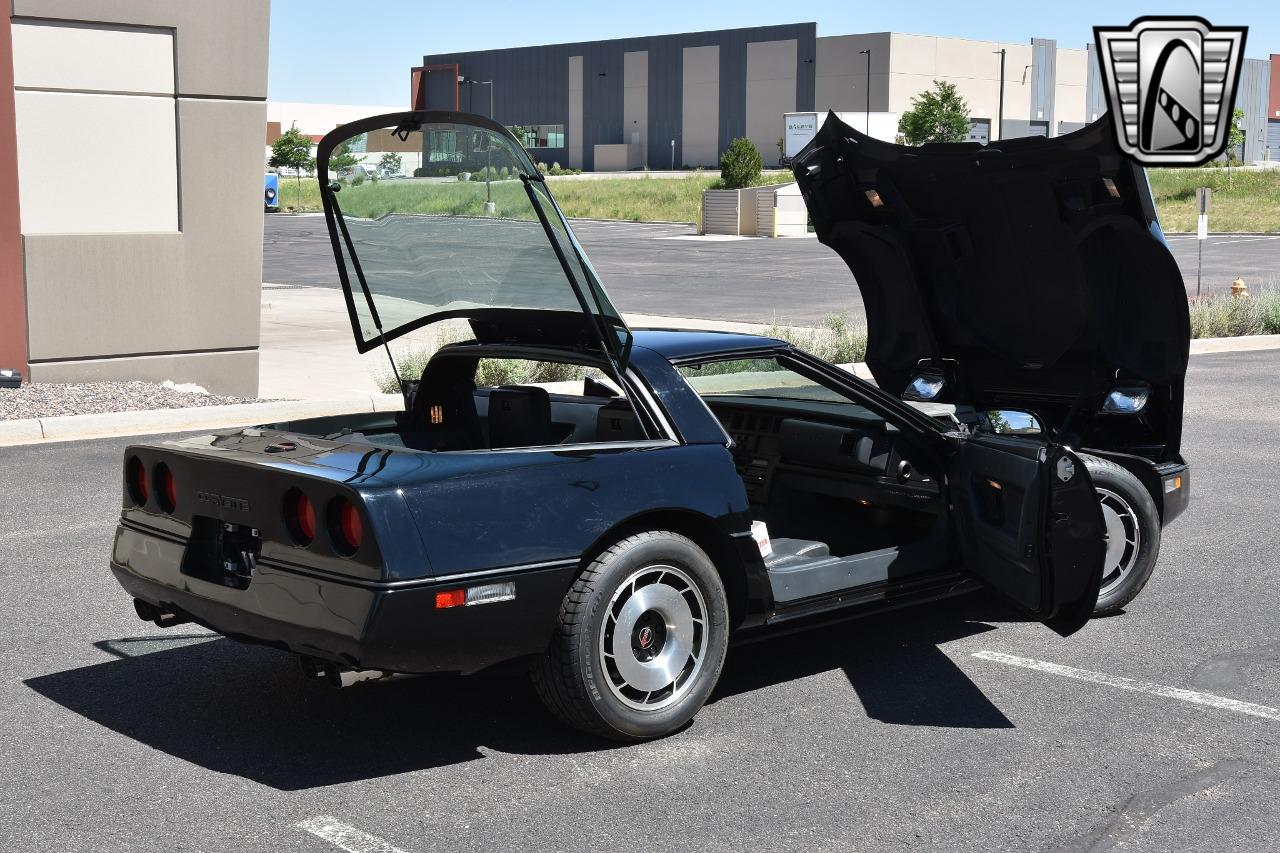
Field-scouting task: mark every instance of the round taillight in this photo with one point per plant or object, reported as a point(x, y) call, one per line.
point(166, 488)
point(345, 526)
point(135, 477)
point(300, 517)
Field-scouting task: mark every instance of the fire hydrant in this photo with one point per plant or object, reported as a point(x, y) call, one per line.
point(1239, 288)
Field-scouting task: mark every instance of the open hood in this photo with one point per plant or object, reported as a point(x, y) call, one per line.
point(442, 216)
point(1025, 274)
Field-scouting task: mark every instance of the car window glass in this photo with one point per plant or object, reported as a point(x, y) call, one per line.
point(756, 377)
point(446, 225)
point(557, 377)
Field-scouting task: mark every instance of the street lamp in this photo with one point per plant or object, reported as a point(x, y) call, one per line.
point(868, 53)
point(489, 206)
point(1000, 114)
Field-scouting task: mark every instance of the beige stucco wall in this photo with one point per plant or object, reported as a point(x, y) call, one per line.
point(771, 92)
point(973, 66)
point(1072, 83)
point(574, 130)
point(635, 101)
point(156, 273)
point(841, 73)
point(700, 107)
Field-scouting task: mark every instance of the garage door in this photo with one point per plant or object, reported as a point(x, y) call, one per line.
point(1273, 139)
point(979, 130)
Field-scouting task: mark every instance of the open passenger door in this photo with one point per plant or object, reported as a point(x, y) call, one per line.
point(1030, 526)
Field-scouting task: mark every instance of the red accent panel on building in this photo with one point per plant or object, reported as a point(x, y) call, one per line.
point(415, 88)
point(13, 285)
point(1273, 96)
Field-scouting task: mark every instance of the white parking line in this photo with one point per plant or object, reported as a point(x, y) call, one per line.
point(1192, 696)
point(1241, 240)
point(346, 837)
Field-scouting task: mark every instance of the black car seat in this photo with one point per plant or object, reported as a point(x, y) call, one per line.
point(519, 416)
point(444, 407)
point(616, 421)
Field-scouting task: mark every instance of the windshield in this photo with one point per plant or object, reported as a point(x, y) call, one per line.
point(756, 377)
point(445, 219)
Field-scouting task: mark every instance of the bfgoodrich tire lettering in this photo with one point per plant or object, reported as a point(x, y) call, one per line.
point(640, 641)
point(1133, 534)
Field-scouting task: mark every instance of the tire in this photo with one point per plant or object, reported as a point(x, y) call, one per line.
point(1133, 534)
point(662, 592)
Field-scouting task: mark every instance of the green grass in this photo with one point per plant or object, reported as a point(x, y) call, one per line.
point(1241, 201)
point(634, 199)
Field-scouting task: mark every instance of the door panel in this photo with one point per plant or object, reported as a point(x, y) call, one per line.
point(1029, 526)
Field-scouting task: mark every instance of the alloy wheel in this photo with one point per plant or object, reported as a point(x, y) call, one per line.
point(1124, 538)
point(653, 639)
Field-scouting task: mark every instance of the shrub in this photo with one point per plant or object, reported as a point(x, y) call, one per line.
point(1269, 310)
point(837, 340)
point(1225, 316)
point(357, 179)
point(741, 164)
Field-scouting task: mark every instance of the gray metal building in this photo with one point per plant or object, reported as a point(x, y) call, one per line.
point(626, 101)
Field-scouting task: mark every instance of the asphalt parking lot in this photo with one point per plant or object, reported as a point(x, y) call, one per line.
point(655, 268)
point(907, 731)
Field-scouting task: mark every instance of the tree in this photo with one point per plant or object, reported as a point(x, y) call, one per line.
point(293, 151)
point(740, 165)
point(936, 115)
point(341, 159)
point(1235, 136)
point(390, 164)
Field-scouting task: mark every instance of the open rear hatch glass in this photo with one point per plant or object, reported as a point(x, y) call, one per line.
point(463, 228)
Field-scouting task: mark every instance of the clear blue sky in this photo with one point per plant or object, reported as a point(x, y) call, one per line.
point(324, 51)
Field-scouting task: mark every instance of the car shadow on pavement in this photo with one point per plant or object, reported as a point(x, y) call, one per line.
point(893, 662)
point(248, 711)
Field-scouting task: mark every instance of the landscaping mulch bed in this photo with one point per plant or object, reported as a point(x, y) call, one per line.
point(48, 400)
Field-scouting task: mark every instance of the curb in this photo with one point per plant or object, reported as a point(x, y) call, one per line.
point(1242, 343)
point(153, 421)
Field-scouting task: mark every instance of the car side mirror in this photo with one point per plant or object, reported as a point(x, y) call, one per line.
point(1010, 422)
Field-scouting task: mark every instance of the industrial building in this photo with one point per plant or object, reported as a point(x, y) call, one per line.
point(677, 100)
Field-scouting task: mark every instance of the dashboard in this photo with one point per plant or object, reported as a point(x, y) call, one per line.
point(836, 449)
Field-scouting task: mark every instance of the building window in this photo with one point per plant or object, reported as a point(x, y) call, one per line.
point(540, 135)
point(442, 147)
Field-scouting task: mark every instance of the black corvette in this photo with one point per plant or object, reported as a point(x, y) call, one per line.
point(615, 507)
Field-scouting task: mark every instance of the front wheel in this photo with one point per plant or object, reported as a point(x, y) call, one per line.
point(1132, 530)
point(640, 642)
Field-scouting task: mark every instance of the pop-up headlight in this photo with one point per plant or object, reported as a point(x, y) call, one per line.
point(924, 387)
point(1126, 399)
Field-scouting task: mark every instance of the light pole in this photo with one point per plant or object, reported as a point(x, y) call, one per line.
point(1000, 114)
point(488, 160)
point(868, 53)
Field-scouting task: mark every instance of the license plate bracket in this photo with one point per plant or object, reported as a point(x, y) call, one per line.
point(222, 552)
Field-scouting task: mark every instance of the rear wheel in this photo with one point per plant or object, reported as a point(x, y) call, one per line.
point(641, 639)
point(1133, 534)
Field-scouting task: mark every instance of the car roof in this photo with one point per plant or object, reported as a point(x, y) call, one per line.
point(679, 344)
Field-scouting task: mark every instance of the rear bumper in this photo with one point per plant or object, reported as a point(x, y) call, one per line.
point(363, 625)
